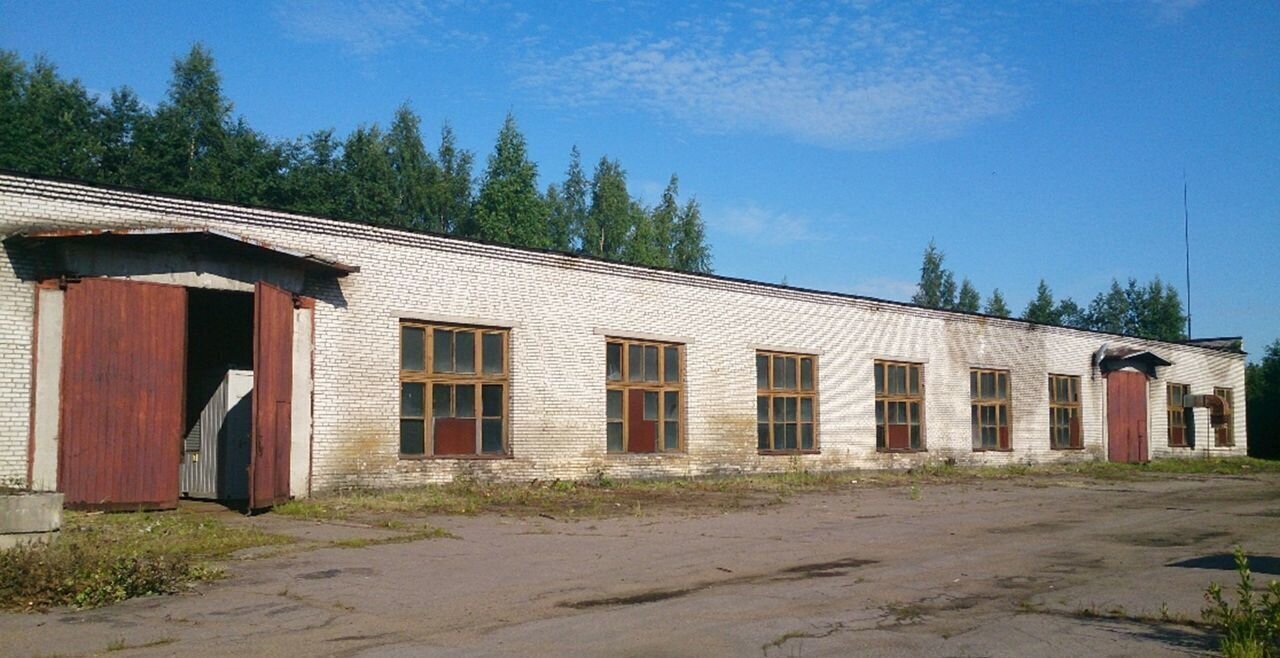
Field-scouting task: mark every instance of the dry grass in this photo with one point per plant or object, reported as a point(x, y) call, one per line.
point(104, 558)
point(706, 495)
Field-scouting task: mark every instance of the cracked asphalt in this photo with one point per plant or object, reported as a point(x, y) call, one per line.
point(993, 568)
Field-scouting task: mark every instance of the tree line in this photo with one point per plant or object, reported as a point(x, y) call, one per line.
point(1262, 391)
point(192, 144)
point(1151, 310)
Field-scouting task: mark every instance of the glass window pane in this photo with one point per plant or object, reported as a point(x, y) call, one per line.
point(806, 408)
point(988, 385)
point(412, 356)
point(1004, 416)
point(879, 368)
point(973, 416)
point(671, 406)
point(779, 409)
point(791, 409)
point(671, 435)
point(491, 400)
point(779, 436)
point(411, 437)
point(1002, 386)
point(491, 435)
point(973, 384)
point(1075, 389)
point(1053, 390)
point(915, 413)
point(464, 404)
point(614, 405)
point(779, 372)
point(613, 362)
point(670, 364)
point(806, 436)
point(614, 441)
point(762, 408)
point(651, 405)
point(915, 437)
point(880, 412)
point(650, 363)
point(762, 372)
point(762, 436)
point(791, 436)
point(441, 401)
point(792, 378)
point(465, 351)
point(442, 352)
point(806, 374)
point(897, 380)
point(915, 380)
point(492, 354)
point(635, 363)
point(411, 402)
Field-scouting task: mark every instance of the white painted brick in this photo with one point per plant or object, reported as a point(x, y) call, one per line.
point(560, 304)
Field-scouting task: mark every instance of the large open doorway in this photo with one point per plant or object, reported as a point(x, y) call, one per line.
point(219, 383)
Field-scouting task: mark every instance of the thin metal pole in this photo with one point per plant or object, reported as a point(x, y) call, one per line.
point(1186, 237)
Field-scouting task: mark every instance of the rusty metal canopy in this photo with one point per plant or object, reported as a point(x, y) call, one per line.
point(198, 239)
point(1141, 360)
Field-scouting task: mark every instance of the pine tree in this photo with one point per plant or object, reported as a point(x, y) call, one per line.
point(415, 171)
point(451, 196)
point(968, 300)
point(690, 252)
point(509, 208)
point(574, 193)
point(937, 287)
point(316, 179)
point(996, 305)
point(122, 124)
point(608, 219)
point(642, 246)
point(1041, 308)
point(1110, 311)
point(665, 217)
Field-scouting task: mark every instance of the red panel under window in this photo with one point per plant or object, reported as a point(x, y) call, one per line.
point(642, 435)
point(455, 436)
point(1076, 439)
point(1177, 436)
point(1004, 438)
point(899, 437)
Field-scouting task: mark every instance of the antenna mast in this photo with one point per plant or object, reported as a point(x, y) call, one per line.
point(1186, 237)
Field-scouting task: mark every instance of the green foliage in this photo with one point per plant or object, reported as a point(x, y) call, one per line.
point(1041, 308)
point(937, 284)
point(996, 305)
point(100, 559)
point(1262, 391)
point(1251, 627)
point(191, 144)
point(1151, 311)
point(969, 300)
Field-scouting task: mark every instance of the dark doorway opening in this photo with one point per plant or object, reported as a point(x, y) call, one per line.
point(219, 381)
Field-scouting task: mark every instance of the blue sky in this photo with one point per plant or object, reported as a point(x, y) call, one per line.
point(827, 142)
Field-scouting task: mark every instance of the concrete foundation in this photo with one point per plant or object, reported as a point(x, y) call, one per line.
point(29, 517)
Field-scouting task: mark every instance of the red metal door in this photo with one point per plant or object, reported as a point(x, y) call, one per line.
point(1127, 416)
point(272, 395)
point(123, 376)
point(642, 433)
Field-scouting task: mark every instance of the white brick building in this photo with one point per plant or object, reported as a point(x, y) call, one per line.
point(555, 314)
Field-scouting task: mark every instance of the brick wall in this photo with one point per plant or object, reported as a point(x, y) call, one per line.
point(561, 309)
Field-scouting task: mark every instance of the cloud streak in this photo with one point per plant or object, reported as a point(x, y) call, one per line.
point(760, 225)
point(848, 79)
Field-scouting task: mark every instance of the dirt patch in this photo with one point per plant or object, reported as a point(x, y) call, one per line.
point(1172, 539)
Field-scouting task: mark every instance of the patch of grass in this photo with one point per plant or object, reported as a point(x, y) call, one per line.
point(411, 535)
point(1251, 627)
point(99, 559)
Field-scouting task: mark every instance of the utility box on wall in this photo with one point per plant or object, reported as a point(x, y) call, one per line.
point(215, 456)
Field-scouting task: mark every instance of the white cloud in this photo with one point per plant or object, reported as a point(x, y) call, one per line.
point(849, 79)
point(366, 27)
point(1172, 11)
point(765, 226)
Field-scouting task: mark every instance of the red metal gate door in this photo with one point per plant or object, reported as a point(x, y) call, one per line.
point(123, 376)
point(272, 395)
point(1127, 416)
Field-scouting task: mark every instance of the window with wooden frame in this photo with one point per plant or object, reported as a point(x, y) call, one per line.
point(1177, 414)
point(989, 409)
point(454, 382)
point(786, 403)
point(899, 405)
point(1225, 436)
point(644, 384)
point(1064, 413)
